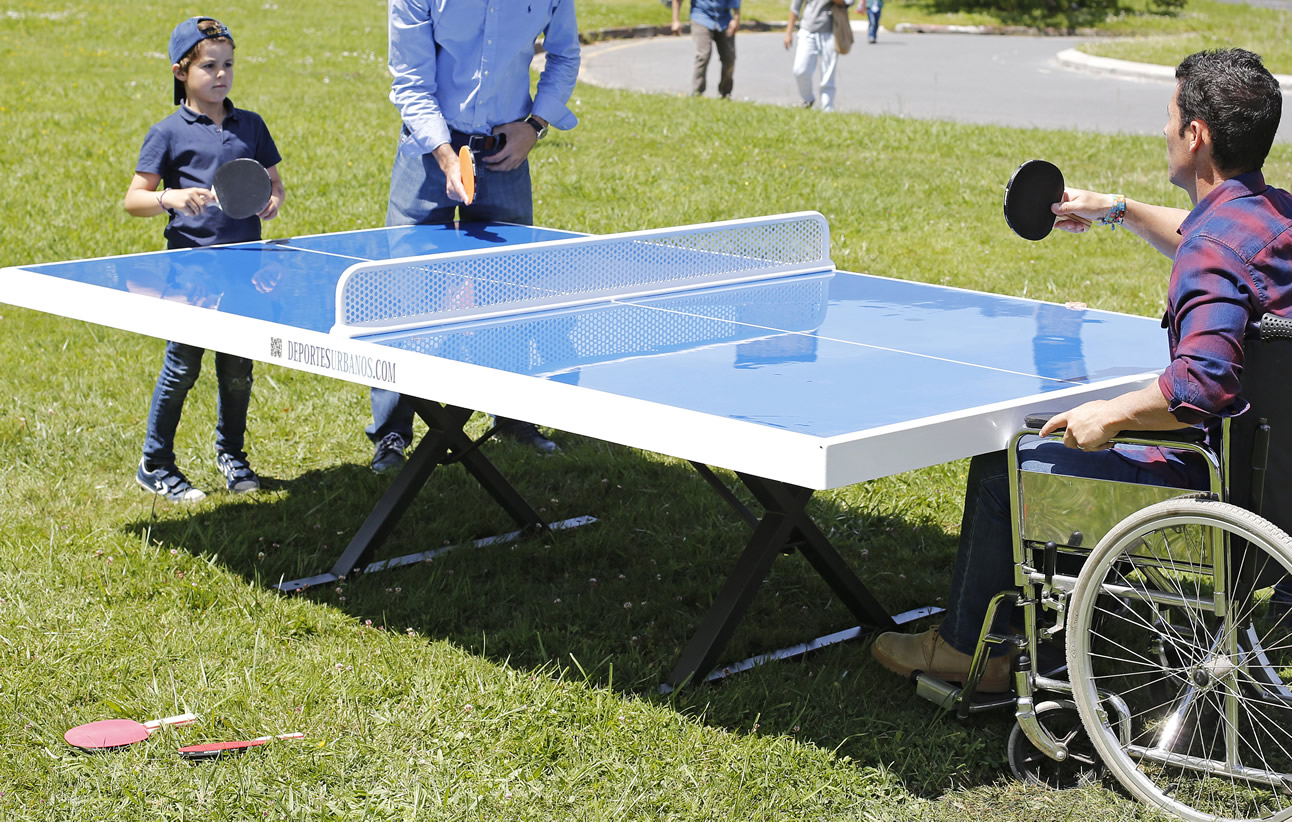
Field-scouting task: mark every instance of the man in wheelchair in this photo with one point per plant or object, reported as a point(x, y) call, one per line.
point(1232, 265)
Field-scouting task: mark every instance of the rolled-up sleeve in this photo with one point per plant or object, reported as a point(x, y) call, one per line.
point(412, 67)
point(561, 71)
point(1212, 309)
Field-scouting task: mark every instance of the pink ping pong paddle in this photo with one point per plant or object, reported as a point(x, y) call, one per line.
point(468, 165)
point(114, 734)
point(215, 750)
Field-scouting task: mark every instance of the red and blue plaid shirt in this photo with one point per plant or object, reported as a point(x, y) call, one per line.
point(1234, 264)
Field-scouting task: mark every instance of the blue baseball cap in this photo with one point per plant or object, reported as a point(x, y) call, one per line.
point(187, 35)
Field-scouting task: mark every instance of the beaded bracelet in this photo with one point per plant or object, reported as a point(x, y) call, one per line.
point(161, 194)
point(1115, 214)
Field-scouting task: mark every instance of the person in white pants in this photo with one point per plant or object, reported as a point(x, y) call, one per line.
point(816, 44)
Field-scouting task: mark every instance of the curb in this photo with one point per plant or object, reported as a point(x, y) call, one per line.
point(1080, 61)
point(666, 30)
point(1017, 31)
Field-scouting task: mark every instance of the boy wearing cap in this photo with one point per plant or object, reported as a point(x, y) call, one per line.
point(182, 153)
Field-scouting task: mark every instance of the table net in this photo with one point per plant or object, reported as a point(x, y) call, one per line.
point(416, 292)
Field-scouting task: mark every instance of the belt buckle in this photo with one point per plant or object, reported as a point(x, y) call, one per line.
point(486, 143)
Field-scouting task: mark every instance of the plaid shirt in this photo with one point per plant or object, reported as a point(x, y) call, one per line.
point(1234, 264)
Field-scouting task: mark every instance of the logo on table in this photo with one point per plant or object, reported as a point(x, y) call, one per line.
point(332, 359)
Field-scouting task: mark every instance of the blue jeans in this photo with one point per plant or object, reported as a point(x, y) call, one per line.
point(417, 197)
point(872, 15)
point(180, 368)
point(985, 559)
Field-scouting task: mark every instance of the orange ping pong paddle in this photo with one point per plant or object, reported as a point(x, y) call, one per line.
point(468, 173)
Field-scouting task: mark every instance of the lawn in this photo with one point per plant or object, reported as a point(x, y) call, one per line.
point(511, 682)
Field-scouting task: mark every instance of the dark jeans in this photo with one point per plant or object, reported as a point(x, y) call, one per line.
point(985, 558)
point(705, 40)
point(180, 368)
point(417, 197)
point(872, 15)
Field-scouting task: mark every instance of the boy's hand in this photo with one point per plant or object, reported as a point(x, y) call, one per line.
point(190, 201)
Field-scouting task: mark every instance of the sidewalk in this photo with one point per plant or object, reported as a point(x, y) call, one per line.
point(1015, 81)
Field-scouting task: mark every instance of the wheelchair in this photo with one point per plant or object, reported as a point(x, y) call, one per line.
point(1154, 646)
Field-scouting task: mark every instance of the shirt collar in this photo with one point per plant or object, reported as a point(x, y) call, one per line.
point(1243, 185)
point(191, 116)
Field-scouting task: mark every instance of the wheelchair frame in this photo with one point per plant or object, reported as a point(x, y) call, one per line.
point(1188, 570)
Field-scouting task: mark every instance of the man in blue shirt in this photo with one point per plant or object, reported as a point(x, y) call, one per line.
point(713, 23)
point(461, 78)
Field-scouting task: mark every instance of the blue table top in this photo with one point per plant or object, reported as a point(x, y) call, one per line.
point(830, 355)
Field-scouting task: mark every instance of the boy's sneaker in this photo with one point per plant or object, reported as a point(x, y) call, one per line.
point(389, 453)
point(168, 482)
point(238, 475)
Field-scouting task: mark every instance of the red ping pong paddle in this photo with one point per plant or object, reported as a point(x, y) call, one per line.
point(468, 166)
point(216, 750)
point(114, 734)
point(1032, 189)
point(242, 188)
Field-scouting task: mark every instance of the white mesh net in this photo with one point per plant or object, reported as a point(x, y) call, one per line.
point(399, 294)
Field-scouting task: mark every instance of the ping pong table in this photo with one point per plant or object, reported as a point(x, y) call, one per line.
point(734, 345)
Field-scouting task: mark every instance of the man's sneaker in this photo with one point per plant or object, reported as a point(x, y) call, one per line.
point(238, 475)
point(389, 453)
point(525, 433)
point(168, 482)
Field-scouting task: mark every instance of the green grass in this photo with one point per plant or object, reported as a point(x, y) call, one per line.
point(507, 683)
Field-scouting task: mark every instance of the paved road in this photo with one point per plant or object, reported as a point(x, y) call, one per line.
point(1010, 81)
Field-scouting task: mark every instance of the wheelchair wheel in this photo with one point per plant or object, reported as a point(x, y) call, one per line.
point(1033, 767)
point(1179, 664)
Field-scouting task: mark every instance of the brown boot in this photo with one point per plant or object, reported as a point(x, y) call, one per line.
point(928, 652)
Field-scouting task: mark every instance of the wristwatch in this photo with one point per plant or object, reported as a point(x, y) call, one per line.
point(539, 128)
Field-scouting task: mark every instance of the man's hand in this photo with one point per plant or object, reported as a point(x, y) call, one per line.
point(521, 139)
point(1079, 208)
point(1089, 427)
point(733, 26)
point(447, 159)
point(1085, 427)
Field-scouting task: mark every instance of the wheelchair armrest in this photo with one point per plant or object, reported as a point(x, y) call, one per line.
point(1185, 435)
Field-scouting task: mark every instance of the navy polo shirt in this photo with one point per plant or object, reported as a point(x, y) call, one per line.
point(186, 148)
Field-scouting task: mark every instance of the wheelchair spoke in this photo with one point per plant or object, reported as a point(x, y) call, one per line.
point(1176, 669)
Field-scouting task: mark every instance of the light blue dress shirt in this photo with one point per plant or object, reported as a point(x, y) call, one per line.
point(713, 14)
point(464, 65)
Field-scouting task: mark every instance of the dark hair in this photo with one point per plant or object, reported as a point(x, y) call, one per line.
point(211, 29)
point(1240, 101)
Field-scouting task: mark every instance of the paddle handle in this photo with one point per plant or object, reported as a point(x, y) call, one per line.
point(178, 719)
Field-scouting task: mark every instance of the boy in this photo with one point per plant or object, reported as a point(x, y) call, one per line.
point(182, 153)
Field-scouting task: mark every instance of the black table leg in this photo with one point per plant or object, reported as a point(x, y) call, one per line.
point(784, 527)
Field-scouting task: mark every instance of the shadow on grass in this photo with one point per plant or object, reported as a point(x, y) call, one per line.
point(613, 603)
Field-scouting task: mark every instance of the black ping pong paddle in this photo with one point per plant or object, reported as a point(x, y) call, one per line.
point(242, 188)
point(1032, 189)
